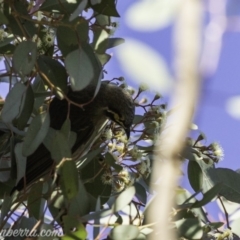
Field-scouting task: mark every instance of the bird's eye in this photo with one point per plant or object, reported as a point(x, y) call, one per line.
point(115, 116)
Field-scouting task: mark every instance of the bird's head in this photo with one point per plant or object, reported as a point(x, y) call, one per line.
point(119, 107)
point(111, 101)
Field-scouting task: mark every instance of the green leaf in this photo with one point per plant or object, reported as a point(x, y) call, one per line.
point(81, 203)
point(12, 103)
point(92, 175)
point(82, 5)
point(208, 196)
point(38, 87)
point(6, 188)
point(112, 42)
point(86, 159)
point(59, 148)
point(69, 179)
point(24, 57)
point(111, 161)
point(75, 38)
point(103, 58)
point(7, 40)
point(20, 161)
point(5, 207)
point(7, 49)
point(124, 199)
point(217, 225)
point(195, 175)
point(189, 228)
point(64, 6)
point(124, 232)
point(100, 39)
point(47, 228)
point(35, 202)
point(141, 193)
point(230, 179)
point(182, 195)
point(83, 67)
point(3, 19)
point(106, 7)
point(26, 108)
point(36, 133)
point(55, 72)
point(71, 223)
point(22, 27)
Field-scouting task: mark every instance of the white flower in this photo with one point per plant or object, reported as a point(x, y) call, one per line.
point(111, 146)
point(124, 173)
point(3, 35)
point(108, 134)
point(118, 186)
point(143, 101)
point(37, 40)
point(138, 176)
point(135, 153)
point(41, 52)
point(107, 178)
point(122, 139)
point(143, 87)
point(120, 148)
point(48, 39)
point(217, 150)
point(130, 90)
point(142, 167)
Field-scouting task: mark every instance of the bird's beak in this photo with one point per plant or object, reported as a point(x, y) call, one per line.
point(127, 131)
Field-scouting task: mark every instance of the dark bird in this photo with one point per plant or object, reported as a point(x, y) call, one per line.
point(111, 103)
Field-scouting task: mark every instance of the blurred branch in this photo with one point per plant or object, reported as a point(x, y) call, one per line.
point(167, 163)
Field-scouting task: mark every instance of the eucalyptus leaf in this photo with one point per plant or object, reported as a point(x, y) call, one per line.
point(82, 5)
point(123, 199)
point(3, 19)
point(24, 57)
point(195, 175)
point(189, 228)
point(80, 203)
point(111, 160)
point(60, 148)
point(71, 223)
point(55, 72)
point(21, 161)
point(36, 133)
point(60, 6)
point(230, 180)
point(83, 67)
point(76, 36)
point(13, 102)
point(124, 232)
point(19, 27)
point(69, 179)
point(113, 42)
point(5, 207)
point(106, 7)
point(6, 41)
point(25, 109)
point(208, 196)
point(35, 201)
point(141, 193)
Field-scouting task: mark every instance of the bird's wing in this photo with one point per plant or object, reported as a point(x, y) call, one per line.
point(40, 162)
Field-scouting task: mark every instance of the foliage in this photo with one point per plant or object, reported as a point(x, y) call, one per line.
point(44, 47)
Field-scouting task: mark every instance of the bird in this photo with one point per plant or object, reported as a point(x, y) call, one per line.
point(111, 103)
